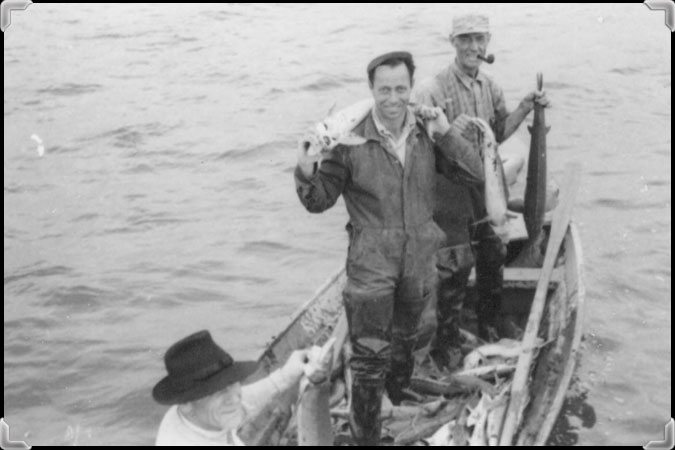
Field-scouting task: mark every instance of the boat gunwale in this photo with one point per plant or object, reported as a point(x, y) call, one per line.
point(580, 294)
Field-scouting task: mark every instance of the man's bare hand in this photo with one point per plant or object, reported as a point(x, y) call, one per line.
point(467, 128)
point(533, 97)
point(295, 365)
point(435, 120)
point(425, 112)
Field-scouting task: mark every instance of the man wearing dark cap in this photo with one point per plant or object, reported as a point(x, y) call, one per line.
point(387, 183)
point(209, 403)
point(462, 90)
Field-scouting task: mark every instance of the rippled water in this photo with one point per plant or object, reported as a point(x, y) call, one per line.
point(165, 203)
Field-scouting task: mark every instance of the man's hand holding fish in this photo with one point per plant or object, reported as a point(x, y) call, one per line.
point(434, 119)
point(467, 127)
point(306, 161)
point(533, 97)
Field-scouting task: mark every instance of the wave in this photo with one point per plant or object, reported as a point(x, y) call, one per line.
point(139, 169)
point(628, 70)
point(59, 149)
point(171, 41)
point(322, 84)
point(264, 247)
point(221, 16)
point(624, 205)
point(70, 89)
point(23, 395)
point(154, 219)
point(132, 136)
point(602, 344)
point(15, 188)
point(27, 323)
point(553, 85)
point(254, 152)
point(86, 217)
point(608, 173)
point(113, 36)
point(41, 272)
point(77, 296)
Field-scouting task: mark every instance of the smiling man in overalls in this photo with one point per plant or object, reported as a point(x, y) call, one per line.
point(388, 187)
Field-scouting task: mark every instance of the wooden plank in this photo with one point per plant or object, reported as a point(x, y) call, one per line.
point(561, 220)
point(522, 277)
point(515, 227)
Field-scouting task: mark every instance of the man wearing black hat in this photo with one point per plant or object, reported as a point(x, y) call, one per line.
point(463, 90)
point(204, 386)
point(387, 183)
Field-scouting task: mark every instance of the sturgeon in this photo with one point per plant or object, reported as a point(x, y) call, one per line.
point(535, 188)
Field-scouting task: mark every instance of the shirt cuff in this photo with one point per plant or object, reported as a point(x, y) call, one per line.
point(447, 136)
point(300, 175)
point(281, 380)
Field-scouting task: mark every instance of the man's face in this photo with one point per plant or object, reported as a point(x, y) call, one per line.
point(391, 89)
point(223, 409)
point(468, 47)
point(229, 406)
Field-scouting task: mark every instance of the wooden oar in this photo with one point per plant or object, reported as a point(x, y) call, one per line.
point(560, 222)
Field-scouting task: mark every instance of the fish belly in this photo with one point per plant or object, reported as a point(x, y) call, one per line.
point(338, 126)
point(495, 189)
point(314, 424)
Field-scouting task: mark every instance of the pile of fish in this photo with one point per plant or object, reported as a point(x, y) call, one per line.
point(463, 407)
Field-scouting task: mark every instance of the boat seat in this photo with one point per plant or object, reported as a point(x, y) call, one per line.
point(520, 277)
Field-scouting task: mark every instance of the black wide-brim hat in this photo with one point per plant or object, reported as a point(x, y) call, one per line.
point(198, 367)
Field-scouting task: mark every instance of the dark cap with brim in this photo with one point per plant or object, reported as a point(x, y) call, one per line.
point(405, 56)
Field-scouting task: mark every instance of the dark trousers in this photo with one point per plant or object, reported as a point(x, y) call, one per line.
point(454, 266)
point(382, 331)
point(390, 279)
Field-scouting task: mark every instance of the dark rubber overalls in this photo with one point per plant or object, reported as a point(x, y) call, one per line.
point(392, 242)
point(460, 211)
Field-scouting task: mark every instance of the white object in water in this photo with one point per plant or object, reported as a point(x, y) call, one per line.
point(40, 147)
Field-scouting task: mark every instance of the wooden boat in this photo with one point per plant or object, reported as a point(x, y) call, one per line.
point(560, 327)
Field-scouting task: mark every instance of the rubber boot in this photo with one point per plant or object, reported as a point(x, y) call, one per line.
point(487, 315)
point(402, 366)
point(446, 349)
point(452, 293)
point(491, 254)
point(364, 415)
